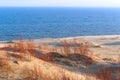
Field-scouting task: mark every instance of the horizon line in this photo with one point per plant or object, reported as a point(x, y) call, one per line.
point(63, 6)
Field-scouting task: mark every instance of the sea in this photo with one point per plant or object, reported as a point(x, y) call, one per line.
point(57, 22)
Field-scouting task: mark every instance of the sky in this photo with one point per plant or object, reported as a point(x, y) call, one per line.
point(61, 3)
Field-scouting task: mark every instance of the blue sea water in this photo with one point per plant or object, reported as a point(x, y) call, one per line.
point(34, 23)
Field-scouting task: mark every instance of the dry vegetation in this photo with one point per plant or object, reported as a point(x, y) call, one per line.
point(71, 52)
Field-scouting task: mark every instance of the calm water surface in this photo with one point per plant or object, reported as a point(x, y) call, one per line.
point(37, 23)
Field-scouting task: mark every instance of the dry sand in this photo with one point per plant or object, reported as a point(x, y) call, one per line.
point(107, 47)
point(104, 45)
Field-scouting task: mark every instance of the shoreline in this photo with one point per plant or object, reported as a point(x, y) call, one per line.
point(94, 38)
point(76, 37)
point(91, 36)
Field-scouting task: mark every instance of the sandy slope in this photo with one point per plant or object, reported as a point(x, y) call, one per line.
point(104, 45)
point(107, 47)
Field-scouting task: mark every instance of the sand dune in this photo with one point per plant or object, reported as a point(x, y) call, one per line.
point(105, 53)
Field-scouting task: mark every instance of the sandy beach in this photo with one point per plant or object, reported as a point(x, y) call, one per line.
point(60, 40)
point(105, 51)
point(106, 46)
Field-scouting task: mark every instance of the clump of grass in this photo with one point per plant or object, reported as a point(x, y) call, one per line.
point(3, 63)
point(75, 47)
point(19, 46)
point(5, 68)
point(66, 47)
point(33, 74)
point(24, 48)
point(37, 73)
point(78, 51)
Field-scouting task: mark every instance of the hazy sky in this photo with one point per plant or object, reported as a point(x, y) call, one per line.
point(63, 3)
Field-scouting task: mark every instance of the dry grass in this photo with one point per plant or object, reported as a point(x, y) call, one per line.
point(24, 49)
point(4, 63)
point(5, 68)
point(74, 47)
point(37, 73)
point(33, 74)
point(68, 48)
